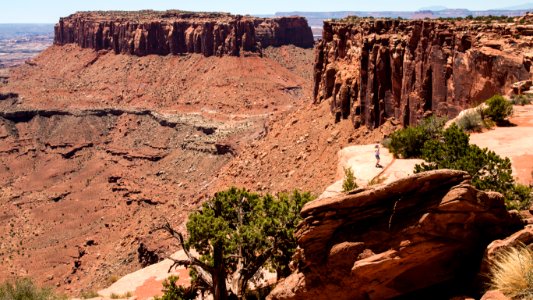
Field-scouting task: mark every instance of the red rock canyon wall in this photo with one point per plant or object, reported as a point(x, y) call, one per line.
point(371, 70)
point(175, 32)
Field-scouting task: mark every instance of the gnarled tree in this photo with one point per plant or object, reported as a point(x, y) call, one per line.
point(236, 233)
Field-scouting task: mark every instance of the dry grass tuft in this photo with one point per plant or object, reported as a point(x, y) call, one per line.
point(512, 273)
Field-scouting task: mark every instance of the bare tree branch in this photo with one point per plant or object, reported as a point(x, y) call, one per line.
point(205, 272)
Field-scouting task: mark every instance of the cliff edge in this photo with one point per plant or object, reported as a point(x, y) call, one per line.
point(374, 69)
point(176, 32)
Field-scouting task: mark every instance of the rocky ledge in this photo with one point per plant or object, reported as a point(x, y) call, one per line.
point(415, 238)
point(176, 32)
point(371, 70)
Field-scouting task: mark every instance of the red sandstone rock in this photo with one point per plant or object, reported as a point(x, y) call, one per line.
point(175, 32)
point(523, 237)
point(401, 239)
point(372, 70)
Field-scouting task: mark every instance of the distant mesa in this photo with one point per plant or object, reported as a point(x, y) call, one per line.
point(178, 32)
point(434, 8)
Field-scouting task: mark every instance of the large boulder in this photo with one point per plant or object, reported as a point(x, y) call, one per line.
point(414, 237)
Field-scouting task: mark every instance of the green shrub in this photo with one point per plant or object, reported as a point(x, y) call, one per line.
point(172, 291)
point(498, 109)
point(349, 183)
point(519, 197)
point(408, 142)
point(25, 289)
point(489, 171)
point(521, 100)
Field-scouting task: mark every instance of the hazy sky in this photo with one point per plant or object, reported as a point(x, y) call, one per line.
point(49, 11)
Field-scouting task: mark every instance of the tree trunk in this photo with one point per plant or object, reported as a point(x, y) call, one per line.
point(219, 273)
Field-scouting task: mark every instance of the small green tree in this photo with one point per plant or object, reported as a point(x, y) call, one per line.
point(237, 233)
point(489, 171)
point(348, 184)
point(498, 109)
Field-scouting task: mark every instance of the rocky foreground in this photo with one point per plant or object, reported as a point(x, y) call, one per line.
point(421, 237)
point(177, 32)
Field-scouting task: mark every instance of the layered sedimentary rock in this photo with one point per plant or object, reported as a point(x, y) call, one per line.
point(421, 237)
point(371, 70)
point(176, 32)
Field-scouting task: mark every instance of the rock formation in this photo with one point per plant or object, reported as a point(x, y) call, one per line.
point(175, 32)
point(372, 70)
point(421, 235)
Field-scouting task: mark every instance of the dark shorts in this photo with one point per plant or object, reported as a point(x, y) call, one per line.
point(377, 156)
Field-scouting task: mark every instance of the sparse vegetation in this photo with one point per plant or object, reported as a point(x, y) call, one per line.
point(348, 184)
point(377, 180)
point(489, 171)
point(450, 149)
point(521, 100)
point(498, 109)
point(112, 279)
point(512, 273)
point(25, 289)
point(89, 294)
point(173, 291)
point(123, 296)
point(236, 234)
point(472, 121)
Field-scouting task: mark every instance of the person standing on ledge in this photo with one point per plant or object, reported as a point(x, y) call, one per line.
point(377, 156)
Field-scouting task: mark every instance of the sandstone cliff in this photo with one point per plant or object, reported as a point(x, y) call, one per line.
point(421, 237)
point(175, 32)
point(371, 70)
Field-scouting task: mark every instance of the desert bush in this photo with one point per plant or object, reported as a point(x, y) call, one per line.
point(521, 100)
point(172, 291)
point(519, 197)
point(89, 294)
point(348, 183)
point(25, 289)
point(408, 142)
point(123, 296)
point(471, 121)
point(489, 171)
point(512, 273)
point(498, 109)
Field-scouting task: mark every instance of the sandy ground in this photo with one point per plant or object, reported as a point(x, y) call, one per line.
point(363, 163)
point(515, 142)
point(147, 283)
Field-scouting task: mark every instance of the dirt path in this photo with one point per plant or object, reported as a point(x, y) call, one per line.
point(515, 142)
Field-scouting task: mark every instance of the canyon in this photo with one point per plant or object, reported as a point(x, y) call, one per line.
point(133, 118)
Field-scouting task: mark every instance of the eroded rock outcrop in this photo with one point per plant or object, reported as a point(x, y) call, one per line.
point(175, 32)
point(421, 235)
point(371, 70)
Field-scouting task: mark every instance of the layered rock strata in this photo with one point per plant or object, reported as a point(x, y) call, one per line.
point(175, 32)
point(371, 70)
point(419, 236)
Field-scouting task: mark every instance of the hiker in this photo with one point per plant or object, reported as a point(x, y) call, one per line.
point(377, 156)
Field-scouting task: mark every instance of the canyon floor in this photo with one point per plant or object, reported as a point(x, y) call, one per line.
point(98, 148)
